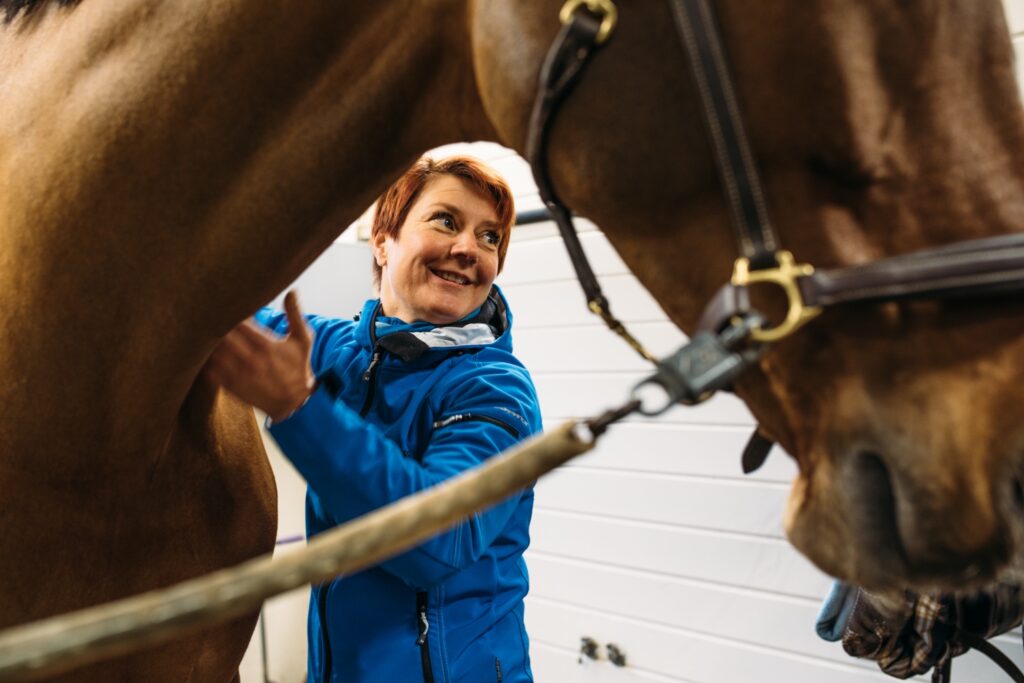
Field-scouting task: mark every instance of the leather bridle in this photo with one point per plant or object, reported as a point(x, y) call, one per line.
point(732, 336)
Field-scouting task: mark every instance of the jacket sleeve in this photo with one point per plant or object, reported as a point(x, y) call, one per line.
point(354, 468)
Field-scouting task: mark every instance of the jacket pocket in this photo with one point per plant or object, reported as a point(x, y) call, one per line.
point(474, 417)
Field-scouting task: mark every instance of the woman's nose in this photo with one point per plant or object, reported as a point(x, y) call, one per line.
point(465, 246)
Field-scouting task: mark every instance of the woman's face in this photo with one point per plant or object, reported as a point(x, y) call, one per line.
point(441, 265)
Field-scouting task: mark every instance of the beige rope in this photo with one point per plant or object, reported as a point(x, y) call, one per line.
point(59, 644)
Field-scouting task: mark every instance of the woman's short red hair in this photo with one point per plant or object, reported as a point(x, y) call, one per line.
point(393, 206)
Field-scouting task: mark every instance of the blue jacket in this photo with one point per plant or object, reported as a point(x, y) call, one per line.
point(396, 412)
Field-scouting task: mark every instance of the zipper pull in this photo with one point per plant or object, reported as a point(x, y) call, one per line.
point(424, 626)
point(451, 419)
point(374, 360)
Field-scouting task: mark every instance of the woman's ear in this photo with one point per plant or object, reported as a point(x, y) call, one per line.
point(380, 252)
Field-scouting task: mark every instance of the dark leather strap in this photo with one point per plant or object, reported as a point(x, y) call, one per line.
point(562, 67)
point(727, 302)
point(729, 140)
point(756, 452)
point(976, 268)
point(569, 54)
point(994, 653)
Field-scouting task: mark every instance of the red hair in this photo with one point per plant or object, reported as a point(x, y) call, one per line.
point(393, 206)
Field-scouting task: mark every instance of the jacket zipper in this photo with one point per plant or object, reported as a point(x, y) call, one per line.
point(370, 376)
point(321, 601)
point(472, 417)
point(497, 667)
point(421, 640)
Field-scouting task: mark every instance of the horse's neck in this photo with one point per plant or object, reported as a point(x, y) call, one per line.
point(168, 167)
point(918, 128)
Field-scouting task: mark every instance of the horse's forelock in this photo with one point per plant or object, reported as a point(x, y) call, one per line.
point(11, 8)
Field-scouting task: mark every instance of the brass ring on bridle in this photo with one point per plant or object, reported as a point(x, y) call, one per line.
point(784, 276)
point(603, 8)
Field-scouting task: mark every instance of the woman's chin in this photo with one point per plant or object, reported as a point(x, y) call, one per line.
point(452, 310)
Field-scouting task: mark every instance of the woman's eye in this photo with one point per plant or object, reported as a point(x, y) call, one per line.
point(443, 219)
point(492, 238)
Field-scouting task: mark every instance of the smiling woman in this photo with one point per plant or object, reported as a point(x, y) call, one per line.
point(420, 387)
point(440, 235)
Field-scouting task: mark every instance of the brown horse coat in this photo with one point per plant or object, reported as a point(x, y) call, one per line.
point(166, 167)
point(879, 128)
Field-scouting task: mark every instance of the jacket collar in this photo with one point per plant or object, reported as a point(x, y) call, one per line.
point(493, 314)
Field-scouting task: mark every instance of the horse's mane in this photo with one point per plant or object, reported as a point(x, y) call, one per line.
point(10, 8)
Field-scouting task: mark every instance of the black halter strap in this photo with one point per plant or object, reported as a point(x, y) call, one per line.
point(976, 268)
point(582, 33)
point(740, 180)
point(992, 652)
point(570, 52)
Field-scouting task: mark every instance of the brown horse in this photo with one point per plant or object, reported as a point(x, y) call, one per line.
point(167, 167)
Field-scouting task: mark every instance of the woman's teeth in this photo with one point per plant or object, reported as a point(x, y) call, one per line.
point(451, 277)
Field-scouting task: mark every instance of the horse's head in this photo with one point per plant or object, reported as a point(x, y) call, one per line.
point(880, 127)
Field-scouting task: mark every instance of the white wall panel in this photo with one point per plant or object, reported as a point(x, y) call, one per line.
point(674, 653)
point(1014, 15)
point(750, 616)
point(561, 303)
point(582, 393)
point(562, 666)
point(541, 256)
point(713, 556)
point(1018, 48)
point(693, 501)
point(592, 347)
point(1015, 19)
point(776, 627)
point(667, 448)
point(691, 656)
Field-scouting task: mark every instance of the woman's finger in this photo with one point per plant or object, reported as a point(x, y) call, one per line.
point(297, 327)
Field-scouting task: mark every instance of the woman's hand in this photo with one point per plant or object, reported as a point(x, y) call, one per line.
point(270, 372)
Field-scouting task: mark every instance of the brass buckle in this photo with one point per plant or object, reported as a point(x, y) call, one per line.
point(785, 276)
point(603, 8)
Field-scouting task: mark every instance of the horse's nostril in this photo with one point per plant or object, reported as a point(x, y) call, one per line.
point(872, 475)
point(954, 538)
point(1018, 492)
point(873, 500)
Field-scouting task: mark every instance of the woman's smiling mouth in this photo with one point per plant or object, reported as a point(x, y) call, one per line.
point(450, 276)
